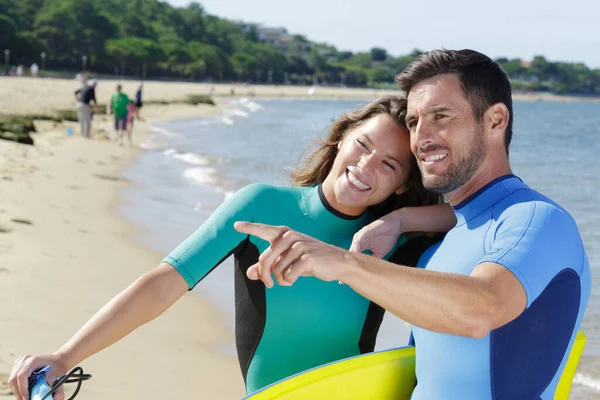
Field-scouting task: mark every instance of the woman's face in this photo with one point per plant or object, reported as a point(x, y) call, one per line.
point(373, 161)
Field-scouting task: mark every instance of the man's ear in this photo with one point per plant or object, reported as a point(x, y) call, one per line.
point(496, 119)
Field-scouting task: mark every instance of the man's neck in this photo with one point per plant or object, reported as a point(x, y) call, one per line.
point(482, 177)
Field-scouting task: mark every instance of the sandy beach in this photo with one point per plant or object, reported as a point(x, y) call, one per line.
point(64, 252)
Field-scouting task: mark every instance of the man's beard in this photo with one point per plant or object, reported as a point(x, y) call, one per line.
point(461, 170)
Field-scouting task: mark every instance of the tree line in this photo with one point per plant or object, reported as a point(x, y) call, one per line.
point(153, 39)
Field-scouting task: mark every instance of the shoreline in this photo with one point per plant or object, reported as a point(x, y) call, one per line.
point(51, 94)
point(65, 252)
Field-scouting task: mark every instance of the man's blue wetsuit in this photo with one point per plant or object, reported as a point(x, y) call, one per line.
point(286, 330)
point(510, 224)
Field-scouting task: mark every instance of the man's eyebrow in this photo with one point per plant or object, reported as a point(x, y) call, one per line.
point(436, 110)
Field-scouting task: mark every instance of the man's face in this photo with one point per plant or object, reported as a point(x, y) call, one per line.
point(444, 135)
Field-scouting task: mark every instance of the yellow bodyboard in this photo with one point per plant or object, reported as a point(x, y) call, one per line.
point(564, 385)
point(383, 375)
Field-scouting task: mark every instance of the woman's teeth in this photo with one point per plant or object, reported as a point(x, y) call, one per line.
point(354, 180)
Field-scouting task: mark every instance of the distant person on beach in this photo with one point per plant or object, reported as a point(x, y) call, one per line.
point(138, 97)
point(132, 114)
point(363, 170)
point(86, 98)
point(118, 106)
point(34, 69)
point(497, 306)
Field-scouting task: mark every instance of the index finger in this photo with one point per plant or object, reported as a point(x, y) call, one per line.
point(263, 231)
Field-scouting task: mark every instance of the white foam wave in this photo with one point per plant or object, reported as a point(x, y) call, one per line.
point(207, 122)
point(250, 105)
point(587, 381)
point(201, 175)
point(149, 145)
point(227, 120)
point(237, 113)
point(190, 158)
point(162, 131)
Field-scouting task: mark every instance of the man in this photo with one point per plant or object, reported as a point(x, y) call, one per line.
point(499, 302)
point(85, 96)
point(118, 105)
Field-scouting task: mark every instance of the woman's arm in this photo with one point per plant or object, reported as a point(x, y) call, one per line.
point(437, 218)
point(145, 299)
point(381, 235)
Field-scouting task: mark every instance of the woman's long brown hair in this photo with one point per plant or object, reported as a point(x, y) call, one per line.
point(319, 162)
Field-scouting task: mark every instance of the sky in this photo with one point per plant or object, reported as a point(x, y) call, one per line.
point(560, 30)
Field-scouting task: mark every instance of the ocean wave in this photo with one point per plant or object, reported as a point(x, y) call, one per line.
point(250, 105)
point(190, 158)
point(587, 381)
point(201, 175)
point(162, 131)
point(236, 113)
point(150, 145)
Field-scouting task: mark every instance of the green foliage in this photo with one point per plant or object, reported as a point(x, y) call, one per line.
point(514, 68)
point(8, 30)
point(160, 40)
point(378, 54)
point(214, 60)
point(134, 50)
point(381, 74)
point(362, 60)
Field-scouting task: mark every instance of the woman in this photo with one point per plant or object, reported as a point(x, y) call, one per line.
point(362, 171)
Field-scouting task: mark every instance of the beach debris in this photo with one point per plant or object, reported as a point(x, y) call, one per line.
point(17, 129)
point(199, 99)
point(22, 221)
point(15, 137)
point(110, 178)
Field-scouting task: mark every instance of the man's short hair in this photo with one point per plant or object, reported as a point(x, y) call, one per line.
point(482, 80)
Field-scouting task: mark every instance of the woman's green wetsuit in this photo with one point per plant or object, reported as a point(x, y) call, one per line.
point(286, 330)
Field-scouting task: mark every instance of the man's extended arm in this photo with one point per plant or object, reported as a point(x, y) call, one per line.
point(443, 302)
